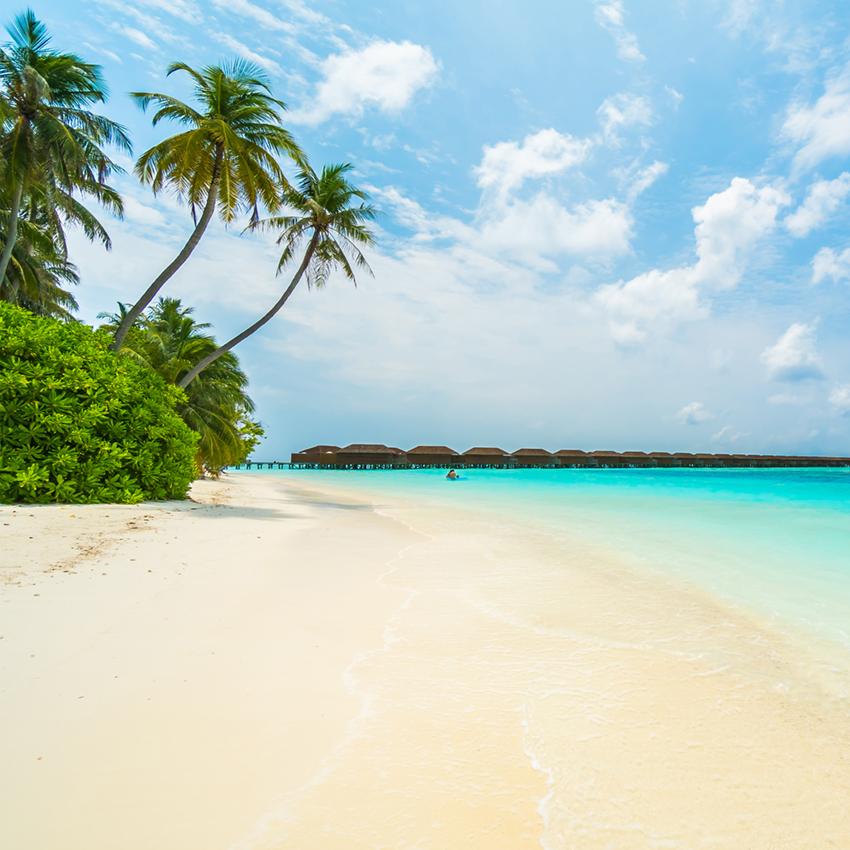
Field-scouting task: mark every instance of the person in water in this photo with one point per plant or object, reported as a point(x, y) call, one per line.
point(452, 475)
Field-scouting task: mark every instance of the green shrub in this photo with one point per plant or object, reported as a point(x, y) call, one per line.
point(79, 423)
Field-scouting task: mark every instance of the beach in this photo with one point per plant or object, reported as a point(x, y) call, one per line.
point(288, 662)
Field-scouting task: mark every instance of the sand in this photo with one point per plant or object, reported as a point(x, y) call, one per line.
point(278, 667)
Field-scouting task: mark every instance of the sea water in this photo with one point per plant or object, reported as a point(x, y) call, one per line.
point(772, 541)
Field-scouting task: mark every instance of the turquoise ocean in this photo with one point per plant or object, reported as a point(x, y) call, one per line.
point(773, 542)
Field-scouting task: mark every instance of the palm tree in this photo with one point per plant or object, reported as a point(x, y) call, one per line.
point(329, 219)
point(226, 157)
point(38, 272)
point(50, 140)
point(217, 407)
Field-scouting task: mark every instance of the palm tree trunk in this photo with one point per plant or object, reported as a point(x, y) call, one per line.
point(214, 355)
point(168, 272)
point(11, 234)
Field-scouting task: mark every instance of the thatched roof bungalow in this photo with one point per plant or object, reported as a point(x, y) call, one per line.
point(370, 454)
point(573, 457)
point(636, 459)
point(608, 458)
point(322, 455)
point(533, 457)
point(685, 458)
point(663, 459)
point(432, 456)
point(485, 456)
point(707, 459)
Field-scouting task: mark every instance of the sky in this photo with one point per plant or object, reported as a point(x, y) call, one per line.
point(604, 224)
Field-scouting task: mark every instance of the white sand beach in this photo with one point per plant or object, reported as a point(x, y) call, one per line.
point(271, 666)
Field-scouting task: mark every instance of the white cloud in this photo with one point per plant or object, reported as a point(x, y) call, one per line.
point(822, 129)
point(694, 414)
point(675, 95)
point(728, 226)
point(611, 17)
point(623, 110)
point(829, 264)
point(793, 356)
point(186, 10)
point(839, 398)
point(384, 74)
point(137, 36)
point(543, 227)
point(823, 198)
point(247, 9)
point(136, 211)
point(247, 53)
point(506, 165)
point(645, 178)
point(727, 434)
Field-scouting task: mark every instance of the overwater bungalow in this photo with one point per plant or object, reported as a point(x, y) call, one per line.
point(316, 455)
point(608, 458)
point(360, 455)
point(432, 456)
point(685, 458)
point(573, 457)
point(636, 459)
point(485, 456)
point(534, 457)
point(707, 459)
point(663, 459)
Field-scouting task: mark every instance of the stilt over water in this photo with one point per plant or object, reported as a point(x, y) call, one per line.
point(379, 456)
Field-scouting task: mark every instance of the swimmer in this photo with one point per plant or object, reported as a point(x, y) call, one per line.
point(452, 475)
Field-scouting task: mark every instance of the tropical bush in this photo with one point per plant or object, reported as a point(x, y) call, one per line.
point(217, 407)
point(79, 423)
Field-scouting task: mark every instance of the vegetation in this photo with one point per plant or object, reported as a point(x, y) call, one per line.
point(217, 406)
point(51, 149)
point(226, 157)
point(79, 423)
point(327, 218)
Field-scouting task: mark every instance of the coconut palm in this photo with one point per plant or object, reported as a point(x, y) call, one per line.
point(225, 158)
point(329, 221)
point(38, 272)
point(169, 340)
point(51, 142)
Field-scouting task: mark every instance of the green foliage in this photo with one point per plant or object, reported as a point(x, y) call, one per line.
point(81, 424)
point(233, 134)
point(169, 340)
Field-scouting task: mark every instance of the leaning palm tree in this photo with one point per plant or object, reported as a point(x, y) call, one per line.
point(331, 216)
point(169, 340)
point(225, 158)
point(50, 138)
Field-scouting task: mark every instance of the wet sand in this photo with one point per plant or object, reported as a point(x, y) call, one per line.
point(295, 669)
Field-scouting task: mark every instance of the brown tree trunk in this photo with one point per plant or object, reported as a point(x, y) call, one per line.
point(11, 236)
point(214, 355)
point(150, 293)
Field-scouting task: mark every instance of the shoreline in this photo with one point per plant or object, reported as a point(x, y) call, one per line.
point(317, 657)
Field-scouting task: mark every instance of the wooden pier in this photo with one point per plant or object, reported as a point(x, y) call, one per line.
point(379, 456)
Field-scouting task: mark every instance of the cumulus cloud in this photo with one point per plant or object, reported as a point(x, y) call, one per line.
point(793, 356)
point(728, 226)
point(645, 177)
point(623, 110)
point(829, 264)
point(385, 75)
point(610, 15)
point(506, 165)
point(694, 414)
point(839, 398)
point(823, 199)
point(821, 129)
point(543, 227)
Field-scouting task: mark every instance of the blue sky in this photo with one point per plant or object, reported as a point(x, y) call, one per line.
point(611, 224)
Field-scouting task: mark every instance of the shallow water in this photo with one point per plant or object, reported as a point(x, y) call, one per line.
point(773, 541)
point(596, 660)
